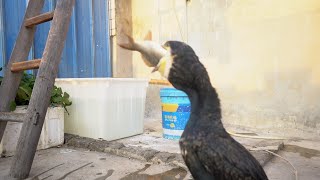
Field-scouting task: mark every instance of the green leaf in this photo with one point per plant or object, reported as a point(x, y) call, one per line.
point(68, 104)
point(22, 96)
point(13, 105)
point(59, 90)
point(26, 89)
point(54, 92)
point(57, 99)
point(66, 95)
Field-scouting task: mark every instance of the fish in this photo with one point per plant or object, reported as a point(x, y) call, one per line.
point(151, 52)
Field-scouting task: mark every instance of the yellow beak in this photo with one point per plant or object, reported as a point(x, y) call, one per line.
point(164, 64)
point(161, 66)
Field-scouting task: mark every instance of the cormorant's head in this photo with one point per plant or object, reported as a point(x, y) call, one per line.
point(180, 65)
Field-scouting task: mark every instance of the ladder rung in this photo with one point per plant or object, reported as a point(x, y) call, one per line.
point(25, 65)
point(13, 117)
point(39, 19)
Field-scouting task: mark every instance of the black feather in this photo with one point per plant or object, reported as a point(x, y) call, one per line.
point(208, 150)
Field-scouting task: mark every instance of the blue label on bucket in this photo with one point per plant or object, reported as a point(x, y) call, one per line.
point(173, 137)
point(183, 108)
point(176, 120)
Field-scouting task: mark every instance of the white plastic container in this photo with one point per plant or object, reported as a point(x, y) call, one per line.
point(52, 133)
point(107, 108)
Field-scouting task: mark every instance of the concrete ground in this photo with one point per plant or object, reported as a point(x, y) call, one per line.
point(303, 155)
point(149, 156)
point(81, 164)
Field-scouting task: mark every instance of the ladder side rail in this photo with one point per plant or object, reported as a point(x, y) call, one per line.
point(11, 81)
point(40, 98)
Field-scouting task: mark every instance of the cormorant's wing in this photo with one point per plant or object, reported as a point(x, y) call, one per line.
point(231, 159)
point(195, 166)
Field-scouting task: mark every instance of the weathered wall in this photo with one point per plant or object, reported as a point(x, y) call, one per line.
point(271, 76)
point(262, 56)
point(122, 59)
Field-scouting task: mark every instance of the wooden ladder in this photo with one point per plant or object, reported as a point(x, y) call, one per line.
point(48, 69)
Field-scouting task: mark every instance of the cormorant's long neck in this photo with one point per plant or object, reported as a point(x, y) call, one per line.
point(205, 103)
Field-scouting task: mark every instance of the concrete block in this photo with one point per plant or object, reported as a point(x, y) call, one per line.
point(52, 133)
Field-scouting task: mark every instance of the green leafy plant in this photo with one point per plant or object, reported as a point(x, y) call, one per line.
point(58, 97)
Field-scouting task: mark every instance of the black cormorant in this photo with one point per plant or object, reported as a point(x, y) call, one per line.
point(207, 149)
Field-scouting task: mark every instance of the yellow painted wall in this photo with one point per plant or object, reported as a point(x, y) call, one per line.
point(263, 56)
